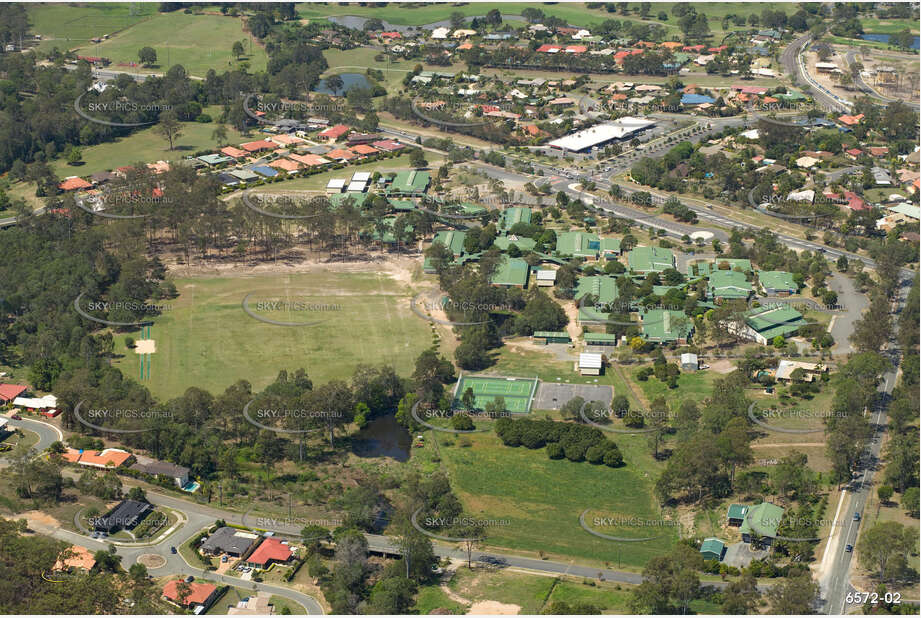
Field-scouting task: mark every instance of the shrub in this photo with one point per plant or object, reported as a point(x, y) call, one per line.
point(555, 451)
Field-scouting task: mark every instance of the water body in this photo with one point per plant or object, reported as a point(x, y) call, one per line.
point(884, 38)
point(383, 437)
point(349, 81)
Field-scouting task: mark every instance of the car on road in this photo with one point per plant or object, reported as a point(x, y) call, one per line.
point(856, 516)
point(848, 548)
point(172, 550)
point(189, 579)
point(15, 416)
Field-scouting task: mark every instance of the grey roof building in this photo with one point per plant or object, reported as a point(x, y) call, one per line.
point(230, 541)
point(125, 516)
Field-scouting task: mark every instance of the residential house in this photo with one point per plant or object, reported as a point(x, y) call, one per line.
point(198, 595)
point(712, 549)
point(761, 523)
point(231, 541)
point(270, 551)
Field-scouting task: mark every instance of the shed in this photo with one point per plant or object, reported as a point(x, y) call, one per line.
point(590, 364)
point(600, 339)
point(689, 362)
point(712, 549)
point(546, 278)
point(552, 336)
point(736, 514)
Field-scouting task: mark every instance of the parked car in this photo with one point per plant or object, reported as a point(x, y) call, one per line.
point(189, 579)
point(15, 416)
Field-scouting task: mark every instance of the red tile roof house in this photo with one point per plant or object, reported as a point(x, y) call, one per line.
point(850, 120)
point(363, 150)
point(258, 145)
point(285, 164)
point(74, 183)
point(341, 155)
point(271, 550)
point(878, 151)
point(9, 392)
point(309, 160)
point(388, 144)
point(234, 153)
point(333, 133)
point(855, 202)
point(199, 594)
point(853, 153)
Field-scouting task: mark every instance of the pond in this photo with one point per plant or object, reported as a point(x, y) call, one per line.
point(383, 437)
point(884, 38)
point(349, 81)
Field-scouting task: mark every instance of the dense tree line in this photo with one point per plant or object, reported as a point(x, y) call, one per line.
point(573, 441)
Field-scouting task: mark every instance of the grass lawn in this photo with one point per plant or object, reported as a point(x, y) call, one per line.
point(432, 597)
point(696, 385)
point(528, 591)
point(147, 146)
point(888, 26)
point(67, 25)
point(207, 340)
point(197, 42)
point(418, 15)
point(541, 499)
point(611, 598)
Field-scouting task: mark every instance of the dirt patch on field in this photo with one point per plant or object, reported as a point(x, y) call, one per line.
point(722, 366)
point(39, 521)
point(481, 608)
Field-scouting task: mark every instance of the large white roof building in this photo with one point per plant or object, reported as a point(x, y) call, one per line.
point(598, 135)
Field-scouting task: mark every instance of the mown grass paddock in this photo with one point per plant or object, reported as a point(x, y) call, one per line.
point(207, 340)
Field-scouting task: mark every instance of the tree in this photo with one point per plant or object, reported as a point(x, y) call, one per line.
point(169, 127)
point(911, 501)
point(334, 83)
point(885, 542)
point(571, 409)
point(794, 595)
point(74, 156)
point(219, 135)
point(237, 49)
point(147, 56)
point(417, 158)
point(884, 493)
point(741, 596)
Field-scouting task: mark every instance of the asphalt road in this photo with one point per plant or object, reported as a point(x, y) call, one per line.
point(836, 585)
point(790, 59)
point(47, 433)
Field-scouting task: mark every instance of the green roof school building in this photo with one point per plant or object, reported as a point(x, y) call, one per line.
point(513, 215)
point(777, 283)
point(644, 260)
point(511, 272)
point(453, 240)
point(522, 242)
point(604, 289)
point(410, 182)
point(763, 324)
point(587, 246)
point(545, 337)
point(704, 269)
point(666, 326)
point(761, 523)
point(712, 549)
point(728, 285)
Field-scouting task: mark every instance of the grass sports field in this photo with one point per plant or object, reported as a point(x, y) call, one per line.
point(66, 26)
point(537, 501)
point(207, 340)
point(197, 42)
point(517, 392)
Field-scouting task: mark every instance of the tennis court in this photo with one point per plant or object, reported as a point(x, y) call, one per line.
point(517, 392)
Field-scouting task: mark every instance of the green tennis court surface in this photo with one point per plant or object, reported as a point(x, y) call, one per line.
point(517, 392)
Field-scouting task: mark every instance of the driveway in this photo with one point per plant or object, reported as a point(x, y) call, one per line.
point(741, 554)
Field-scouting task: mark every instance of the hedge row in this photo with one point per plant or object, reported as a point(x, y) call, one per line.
point(570, 440)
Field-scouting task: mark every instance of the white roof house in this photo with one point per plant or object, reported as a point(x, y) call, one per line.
point(807, 161)
point(750, 134)
point(3, 422)
point(440, 33)
point(37, 403)
point(807, 195)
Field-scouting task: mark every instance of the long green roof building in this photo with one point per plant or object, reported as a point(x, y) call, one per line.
point(643, 260)
point(728, 285)
point(604, 289)
point(513, 215)
point(511, 272)
point(666, 326)
point(763, 324)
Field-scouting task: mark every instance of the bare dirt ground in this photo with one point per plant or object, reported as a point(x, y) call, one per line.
point(152, 561)
point(722, 366)
point(486, 608)
point(39, 521)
